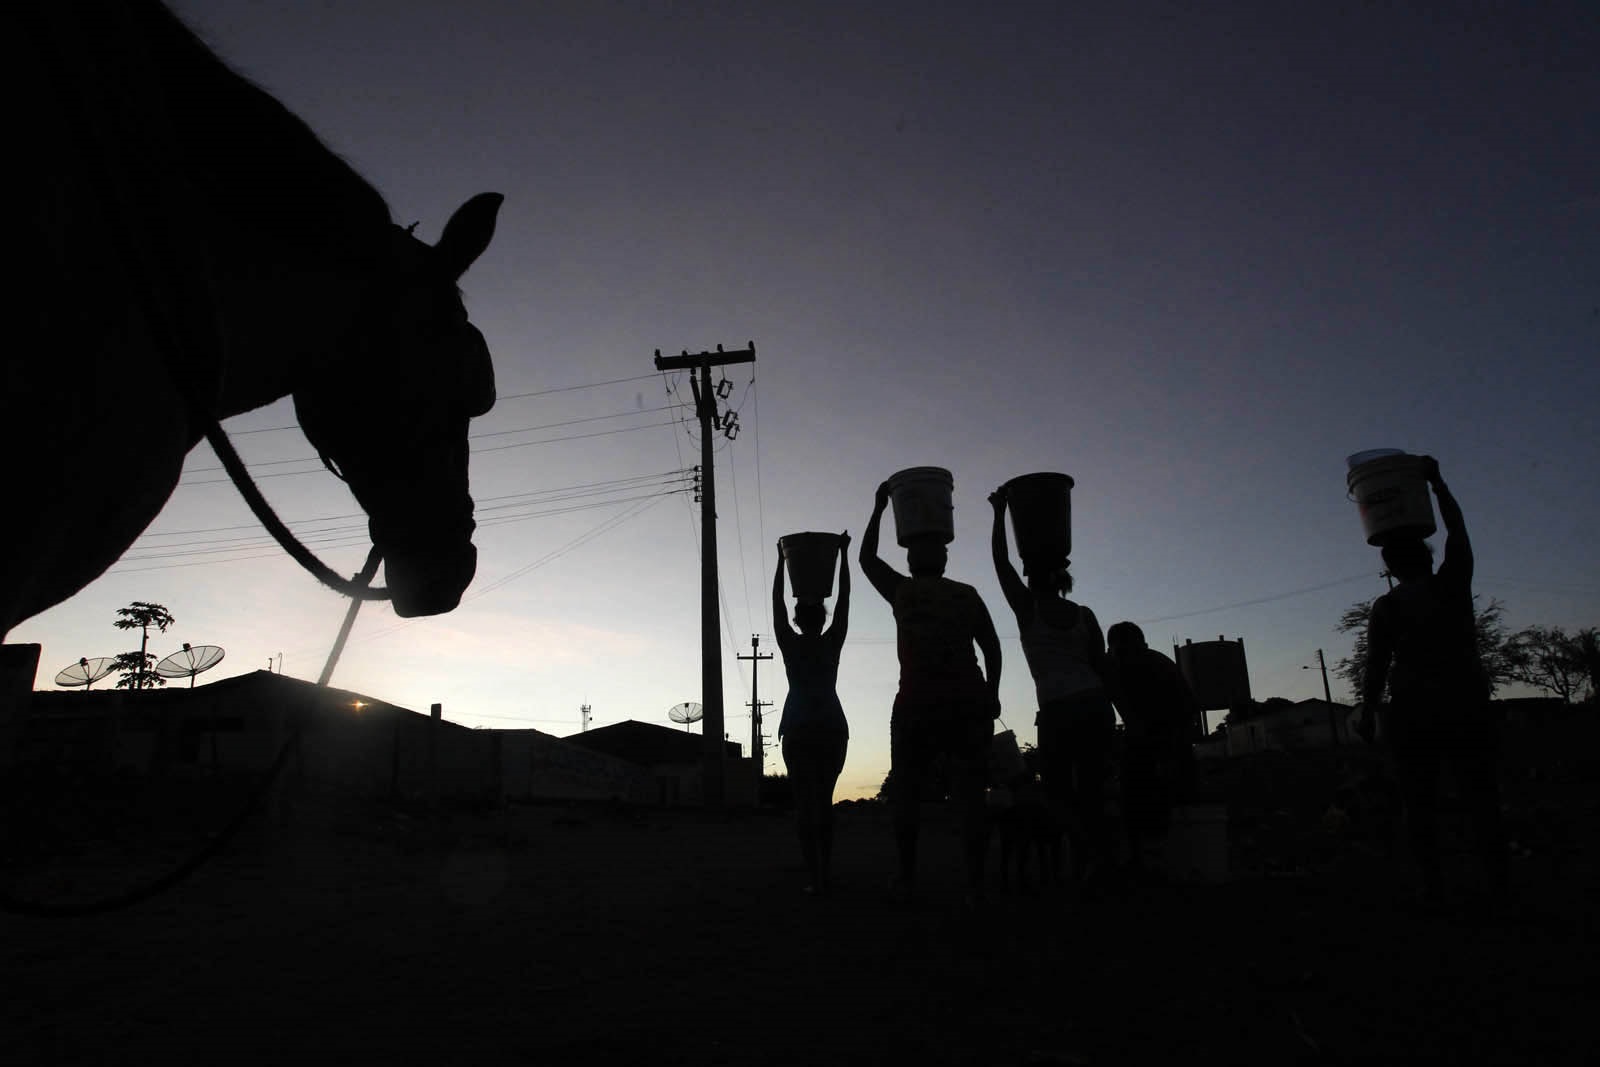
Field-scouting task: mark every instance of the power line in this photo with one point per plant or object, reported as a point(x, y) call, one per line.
point(297, 523)
point(1364, 576)
point(665, 483)
point(761, 507)
point(350, 540)
point(498, 399)
point(572, 437)
point(602, 527)
point(738, 528)
point(476, 451)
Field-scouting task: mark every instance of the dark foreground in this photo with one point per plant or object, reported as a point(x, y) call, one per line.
point(350, 934)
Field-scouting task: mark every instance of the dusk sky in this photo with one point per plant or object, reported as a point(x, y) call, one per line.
point(1191, 255)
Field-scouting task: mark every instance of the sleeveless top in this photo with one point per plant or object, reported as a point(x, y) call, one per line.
point(936, 623)
point(1058, 658)
point(812, 664)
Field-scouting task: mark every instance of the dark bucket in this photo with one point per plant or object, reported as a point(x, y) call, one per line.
point(1041, 519)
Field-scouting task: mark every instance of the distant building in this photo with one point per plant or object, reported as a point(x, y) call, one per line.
point(539, 766)
point(346, 741)
point(670, 760)
point(357, 743)
point(1286, 727)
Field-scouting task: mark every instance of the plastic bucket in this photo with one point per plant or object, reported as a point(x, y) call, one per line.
point(922, 508)
point(1197, 844)
point(1041, 519)
point(810, 559)
point(1392, 494)
point(1356, 459)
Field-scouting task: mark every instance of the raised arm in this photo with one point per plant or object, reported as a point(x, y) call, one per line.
point(1457, 549)
point(884, 578)
point(841, 607)
point(1010, 584)
point(781, 629)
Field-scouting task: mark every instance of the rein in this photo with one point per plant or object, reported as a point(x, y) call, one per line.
point(356, 590)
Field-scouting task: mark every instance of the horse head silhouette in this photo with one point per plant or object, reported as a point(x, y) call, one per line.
point(391, 417)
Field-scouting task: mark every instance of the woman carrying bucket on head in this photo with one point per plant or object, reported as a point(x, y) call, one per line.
point(813, 728)
point(946, 706)
point(1066, 654)
point(1422, 654)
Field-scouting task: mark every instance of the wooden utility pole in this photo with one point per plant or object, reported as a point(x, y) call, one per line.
point(713, 784)
point(756, 704)
point(1327, 696)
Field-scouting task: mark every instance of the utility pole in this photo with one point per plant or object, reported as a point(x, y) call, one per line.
point(705, 403)
point(1327, 695)
point(756, 704)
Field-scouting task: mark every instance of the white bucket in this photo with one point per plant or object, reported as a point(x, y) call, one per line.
point(921, 499)
point(1392, 494)
point(1197, 844)
point(810, 559)
point(1356, 459)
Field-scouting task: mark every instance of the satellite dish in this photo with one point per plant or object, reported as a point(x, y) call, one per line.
point(686, 713)
point(85, 672)
point(190, 661)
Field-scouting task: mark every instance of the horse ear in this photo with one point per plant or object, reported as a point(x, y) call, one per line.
point(467, 233)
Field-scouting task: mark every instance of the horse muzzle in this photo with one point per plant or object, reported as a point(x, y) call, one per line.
point(428, 583)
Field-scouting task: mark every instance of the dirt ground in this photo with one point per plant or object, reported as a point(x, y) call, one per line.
point(348, 933)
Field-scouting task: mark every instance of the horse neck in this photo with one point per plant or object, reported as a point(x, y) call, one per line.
point(293, 235)
point(280, 331)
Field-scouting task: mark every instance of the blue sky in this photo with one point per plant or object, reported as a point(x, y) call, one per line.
point(1192, 257)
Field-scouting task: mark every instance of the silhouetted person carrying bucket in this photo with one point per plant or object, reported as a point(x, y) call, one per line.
point(1066, 655)
point(813, 728)
point(1159, 716)
point(1422, 648)
point(946, 707)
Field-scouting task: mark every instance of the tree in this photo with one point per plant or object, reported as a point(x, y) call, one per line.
point(140, 615)
point(1549, 658)
point(1493, 644)
point(137, 670)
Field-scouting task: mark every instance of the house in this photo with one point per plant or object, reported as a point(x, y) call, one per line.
point(670, 761)
point(1288, 727)
point(538, 766)
point(346, 740)
point(357, 743)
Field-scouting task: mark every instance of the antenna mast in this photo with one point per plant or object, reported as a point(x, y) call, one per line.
point(756, 704)
point(706, 402)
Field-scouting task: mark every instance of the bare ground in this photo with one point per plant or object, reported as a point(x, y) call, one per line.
point(550, 935)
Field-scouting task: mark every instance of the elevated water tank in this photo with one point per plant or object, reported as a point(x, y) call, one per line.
point(1215, 671)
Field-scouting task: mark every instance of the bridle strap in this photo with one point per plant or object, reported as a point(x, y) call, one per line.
point(356, 590)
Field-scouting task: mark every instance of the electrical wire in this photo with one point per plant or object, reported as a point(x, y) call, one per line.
point(761, 506)
point(1364, 576)
point(297, 523)
point(352, 540)
point(182, 483)
point(498, 400)
point(666, 483)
